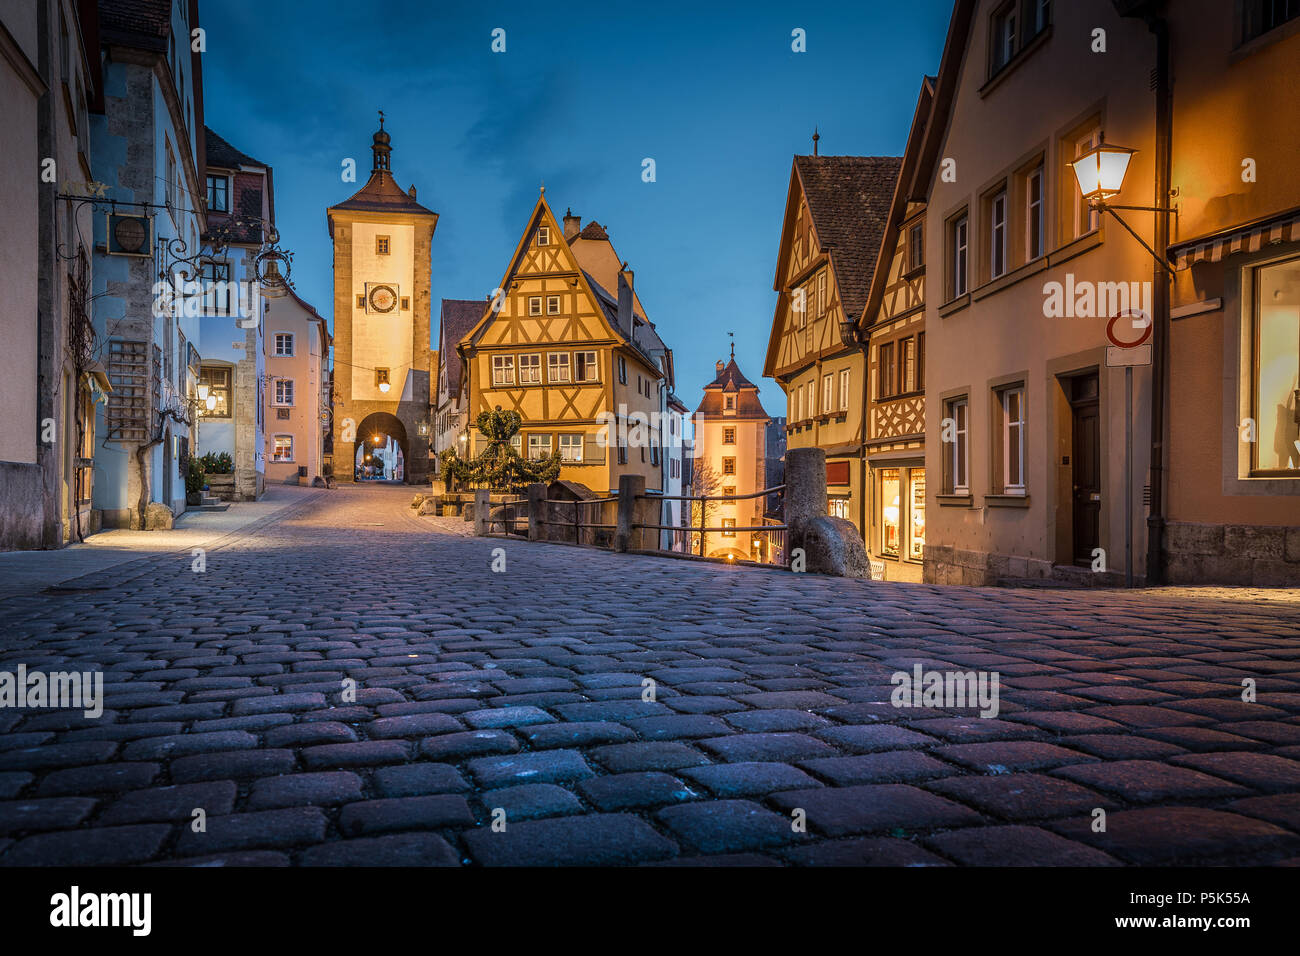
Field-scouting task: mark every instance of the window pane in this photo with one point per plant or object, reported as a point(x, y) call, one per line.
point(1277, 363)
point(889, 511)
point(916, 532)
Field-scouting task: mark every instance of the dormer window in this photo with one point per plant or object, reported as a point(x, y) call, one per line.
point(543, 235)
point(729, 401)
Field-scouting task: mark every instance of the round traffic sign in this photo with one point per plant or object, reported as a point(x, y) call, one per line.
point(1140, 321)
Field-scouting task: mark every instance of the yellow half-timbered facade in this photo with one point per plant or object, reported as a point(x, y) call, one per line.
point(578, 361)
point(834, 216)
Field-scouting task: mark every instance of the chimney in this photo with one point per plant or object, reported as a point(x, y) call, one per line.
point(572, 224)
point(719, 366)
point(625, 276)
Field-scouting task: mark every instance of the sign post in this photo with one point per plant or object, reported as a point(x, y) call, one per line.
point(1125, 354)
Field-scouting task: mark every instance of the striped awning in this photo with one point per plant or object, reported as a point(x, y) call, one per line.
point(1250, 237)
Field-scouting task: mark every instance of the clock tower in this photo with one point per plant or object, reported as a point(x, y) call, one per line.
point(382, 239)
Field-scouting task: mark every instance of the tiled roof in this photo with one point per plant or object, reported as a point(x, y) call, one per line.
point(731, 380)
point(138, 23)
point(224, 156)
point(849, 199)
point(731, 376)
point(592, 230)
point(459, 316)
point(382, 194)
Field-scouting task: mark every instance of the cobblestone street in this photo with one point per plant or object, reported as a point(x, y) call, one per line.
point(479, 692)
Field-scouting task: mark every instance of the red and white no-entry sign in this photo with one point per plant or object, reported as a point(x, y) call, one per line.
point(1125, 353)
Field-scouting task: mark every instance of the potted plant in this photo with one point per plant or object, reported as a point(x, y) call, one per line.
point(195, 482)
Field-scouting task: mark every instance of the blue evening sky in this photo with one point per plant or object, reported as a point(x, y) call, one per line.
point(584, 92)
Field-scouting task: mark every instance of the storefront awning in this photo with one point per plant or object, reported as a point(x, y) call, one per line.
point(1250, 237)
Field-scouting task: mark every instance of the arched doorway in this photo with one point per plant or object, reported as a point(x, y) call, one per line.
point(382, 449)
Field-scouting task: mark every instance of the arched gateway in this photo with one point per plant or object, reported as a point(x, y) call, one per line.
point(382, 449)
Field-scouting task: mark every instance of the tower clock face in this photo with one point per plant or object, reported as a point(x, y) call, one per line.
point(383, 298)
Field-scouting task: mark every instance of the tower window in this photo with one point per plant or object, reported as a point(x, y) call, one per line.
point(381, 245)
point(381, 377)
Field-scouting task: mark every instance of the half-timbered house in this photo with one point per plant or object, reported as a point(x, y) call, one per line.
point(835, 214)
point(566, 344)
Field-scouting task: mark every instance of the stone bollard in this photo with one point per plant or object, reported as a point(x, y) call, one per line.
point(536, 511)
point(805, 487)
point(482, 505)
point(830, 545)
point(630, 489)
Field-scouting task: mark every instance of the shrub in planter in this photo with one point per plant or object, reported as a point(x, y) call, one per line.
point(195, 482)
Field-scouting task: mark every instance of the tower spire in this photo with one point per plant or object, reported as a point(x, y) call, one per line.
point(816, 136)
point(381, 147)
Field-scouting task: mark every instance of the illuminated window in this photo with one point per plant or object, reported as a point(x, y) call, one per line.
point(217, 379)
point(916, 522)
point(283, 448)
point(889, 511)
point(729, 523)
point(1275, 369)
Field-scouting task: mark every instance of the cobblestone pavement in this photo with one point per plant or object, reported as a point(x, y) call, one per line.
point(518, 696)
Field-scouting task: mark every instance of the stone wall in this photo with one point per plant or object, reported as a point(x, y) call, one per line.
point(1256, 555)
point(22, 514)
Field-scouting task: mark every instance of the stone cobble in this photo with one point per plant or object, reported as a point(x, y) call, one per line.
point(349, 684)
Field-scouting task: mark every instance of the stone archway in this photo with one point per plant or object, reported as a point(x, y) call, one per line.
point(382, 425)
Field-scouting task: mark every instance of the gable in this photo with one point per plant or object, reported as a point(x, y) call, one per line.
point(545, 272)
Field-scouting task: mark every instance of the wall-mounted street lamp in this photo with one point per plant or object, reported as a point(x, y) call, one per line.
point(1100, 174)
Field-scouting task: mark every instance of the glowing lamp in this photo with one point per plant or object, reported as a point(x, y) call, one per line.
point(1100, 171)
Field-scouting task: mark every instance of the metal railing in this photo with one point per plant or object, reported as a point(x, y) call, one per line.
point(508, 519)
point(578, 523)
point(702, 530)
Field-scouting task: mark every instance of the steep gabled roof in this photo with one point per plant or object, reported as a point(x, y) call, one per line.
point(221, 155)
point(848, 199)
point(922, 118)
point(458, 317)
point(731, 381)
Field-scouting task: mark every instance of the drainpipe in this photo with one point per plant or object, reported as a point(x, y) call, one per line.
point(1160, 284)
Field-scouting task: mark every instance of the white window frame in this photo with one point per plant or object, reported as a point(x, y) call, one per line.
point(728, 523)
point(536, 444)
point(559, 368)
point(958, 454)
point(543, 235)
point(275, 448)
point(1013, 438)
point(828, 393)
point(280, 352)
point(961, 255)
point(283, 393)
point(998, 234)
point(503, 370)
point(844, 389)
point(531, 362)
point(571, 447)
point(552, 305)
point(534, 305)
point(796, 403)
point(1034, 218)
